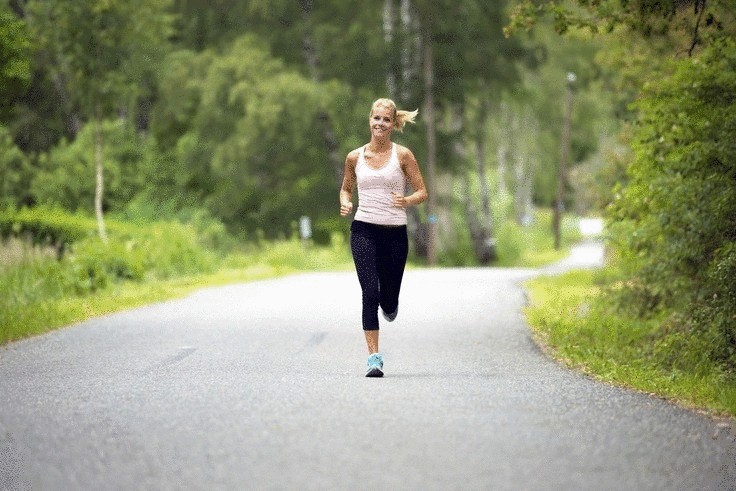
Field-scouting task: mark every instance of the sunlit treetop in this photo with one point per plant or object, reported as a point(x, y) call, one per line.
point(699, 21)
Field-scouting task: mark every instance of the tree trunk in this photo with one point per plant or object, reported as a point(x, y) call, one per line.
point(480, 142)
point(311, 57)
point(99, 187)
point(401, 30)
point(429, 117)
point(484, 243)
point(561, 172)
point(389, 20)
point(483, 246)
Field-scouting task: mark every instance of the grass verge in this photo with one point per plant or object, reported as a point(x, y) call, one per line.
point(31, 304)
point(45, 316)
point(572, 323)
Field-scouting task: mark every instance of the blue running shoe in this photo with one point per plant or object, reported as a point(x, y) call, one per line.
point(392, 316)
point(375, 365)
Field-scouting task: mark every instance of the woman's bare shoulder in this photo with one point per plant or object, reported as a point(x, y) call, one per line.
point(353, 156)
point(403, 152)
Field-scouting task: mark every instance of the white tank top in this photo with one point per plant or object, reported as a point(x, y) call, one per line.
point(375, 202)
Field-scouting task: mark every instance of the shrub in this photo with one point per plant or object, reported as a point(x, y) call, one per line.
point(511, 242)
point(675, 221)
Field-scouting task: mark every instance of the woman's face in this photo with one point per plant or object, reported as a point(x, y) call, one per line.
point(382, 122)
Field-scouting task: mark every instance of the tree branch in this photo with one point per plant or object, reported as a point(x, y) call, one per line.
point(701, 5)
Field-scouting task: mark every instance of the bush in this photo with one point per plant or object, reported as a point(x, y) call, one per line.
point(47, 226)
point(675, 221)
point(511, 242)
point(15, 172)
point(66, 177)
point(158, 250)
point(95, 265)
point(210, 232)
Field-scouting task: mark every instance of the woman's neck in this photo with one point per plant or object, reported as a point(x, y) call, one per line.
point(379, 146)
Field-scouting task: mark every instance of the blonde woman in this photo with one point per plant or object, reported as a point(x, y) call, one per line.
point(378, 238)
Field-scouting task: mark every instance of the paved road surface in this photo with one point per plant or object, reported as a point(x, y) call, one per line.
point(260, 386)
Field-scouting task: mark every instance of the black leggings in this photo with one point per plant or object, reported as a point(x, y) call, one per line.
point(379, 253)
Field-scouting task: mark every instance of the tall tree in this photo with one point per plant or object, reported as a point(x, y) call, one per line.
point(102, 48)
point(672, 219)
point(241, 129)
point(15, 70)
point(465, 53)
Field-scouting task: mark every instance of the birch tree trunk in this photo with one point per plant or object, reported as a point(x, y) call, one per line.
point(100, 181)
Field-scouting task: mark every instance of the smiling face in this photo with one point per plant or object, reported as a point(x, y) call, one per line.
point(382, 121)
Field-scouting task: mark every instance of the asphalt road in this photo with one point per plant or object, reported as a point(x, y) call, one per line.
point(261, 386)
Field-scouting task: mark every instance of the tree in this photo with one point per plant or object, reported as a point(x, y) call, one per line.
point(15, 71)
point(674, 223)
point(241, 127)
point(15, 172)
point(64, 173)
point(689, 23)
point(673, 219)
point(102, 48)
point(464, 55)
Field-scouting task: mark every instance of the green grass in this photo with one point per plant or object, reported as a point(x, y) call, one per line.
point(528, 246)
point(45, 315)
point(572, 323)
point(37, 294)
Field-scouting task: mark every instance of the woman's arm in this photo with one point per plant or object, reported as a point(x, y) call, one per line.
point(348, 182)
point(410, 166)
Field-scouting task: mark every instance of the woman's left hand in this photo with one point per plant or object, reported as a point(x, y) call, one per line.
point(399, 200)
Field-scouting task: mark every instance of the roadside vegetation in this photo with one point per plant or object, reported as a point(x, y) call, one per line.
point(575, 322)
point(55, 270)
point(662, 316)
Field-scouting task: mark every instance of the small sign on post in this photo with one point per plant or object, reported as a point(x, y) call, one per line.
point(305, 228)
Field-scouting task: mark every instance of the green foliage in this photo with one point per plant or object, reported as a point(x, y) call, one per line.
point(211, 232)
point(67, 178)
point(675, 221)
point(46, 226)
point(245, 128)
point(151, 252)
point(15, 66)
point(157, 251)
point(571, 315)
point(137, 251)
point(164, 259)
point(15, 172)
point(101, 47)
point(694, 22)
point(511, 243)
point(517, 246)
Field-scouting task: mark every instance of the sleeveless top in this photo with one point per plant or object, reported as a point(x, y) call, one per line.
point(375, 202)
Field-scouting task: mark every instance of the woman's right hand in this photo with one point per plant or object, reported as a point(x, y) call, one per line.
point(346, 208)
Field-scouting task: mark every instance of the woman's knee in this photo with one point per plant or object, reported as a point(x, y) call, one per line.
point(371, 297)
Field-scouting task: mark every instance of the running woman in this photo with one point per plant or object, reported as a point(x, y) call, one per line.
point(378, 239)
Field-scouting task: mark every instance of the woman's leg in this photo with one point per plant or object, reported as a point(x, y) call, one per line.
point(392, 251)
point(363, 246)
point(371, 340)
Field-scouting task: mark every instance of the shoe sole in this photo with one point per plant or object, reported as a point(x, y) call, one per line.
point(374, 372)
point(390, 317)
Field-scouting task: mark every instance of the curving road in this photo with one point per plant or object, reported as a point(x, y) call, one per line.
point(260, 386)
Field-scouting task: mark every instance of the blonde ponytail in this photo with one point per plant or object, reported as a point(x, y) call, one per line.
point(401, 117)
